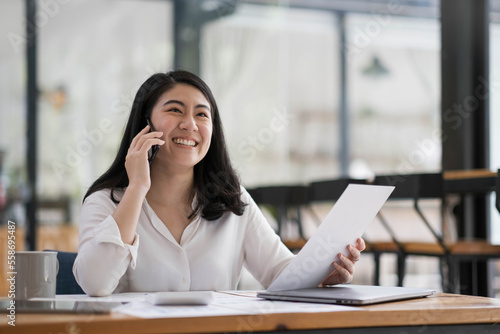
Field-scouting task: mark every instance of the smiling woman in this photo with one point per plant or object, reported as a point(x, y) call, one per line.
point(183, 115)
point(197, 224)
point(170, 102)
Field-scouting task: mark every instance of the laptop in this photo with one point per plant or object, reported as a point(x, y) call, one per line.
point(345, 223)
point(348, 294)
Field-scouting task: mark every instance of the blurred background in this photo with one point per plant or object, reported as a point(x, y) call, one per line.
point(307, 90)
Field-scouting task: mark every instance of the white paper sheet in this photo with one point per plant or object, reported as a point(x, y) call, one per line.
point(149, 311)
point(346, 222)
point(227, 303)
point(234, 302)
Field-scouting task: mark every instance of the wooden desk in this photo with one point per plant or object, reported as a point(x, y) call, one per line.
point(443, 313)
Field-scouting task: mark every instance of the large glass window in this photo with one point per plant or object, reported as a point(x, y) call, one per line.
point(12, 111)
point(394, 92)
point(274, 71)
point(92, 57)
point(276, 74)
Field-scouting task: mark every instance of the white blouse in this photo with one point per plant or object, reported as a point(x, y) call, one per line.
point(210, 255)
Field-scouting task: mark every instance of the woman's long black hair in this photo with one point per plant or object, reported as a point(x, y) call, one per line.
point(216, 184)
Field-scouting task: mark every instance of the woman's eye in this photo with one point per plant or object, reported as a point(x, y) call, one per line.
point(202, 114)
point(174, 110)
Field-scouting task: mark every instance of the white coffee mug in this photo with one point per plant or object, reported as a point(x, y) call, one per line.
point(36, 274)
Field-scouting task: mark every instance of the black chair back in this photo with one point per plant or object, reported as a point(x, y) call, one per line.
point(431, 186)
point(281, 199)
point(330, 190)
point(406, 186)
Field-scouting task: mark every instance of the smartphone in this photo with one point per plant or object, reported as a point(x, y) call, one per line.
point(155, 148)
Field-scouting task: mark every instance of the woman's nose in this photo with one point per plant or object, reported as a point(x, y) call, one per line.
point(188, 123)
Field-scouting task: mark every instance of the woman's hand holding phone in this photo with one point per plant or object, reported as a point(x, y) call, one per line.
point(128, 210)
point(136, 161)
point(153, 151)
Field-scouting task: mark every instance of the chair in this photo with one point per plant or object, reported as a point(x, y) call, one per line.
point(478, 250)
point(416, 187)
point(330, 190)
point(450, 254)
point(285, 204)
point(406, 188)
point(65, 281)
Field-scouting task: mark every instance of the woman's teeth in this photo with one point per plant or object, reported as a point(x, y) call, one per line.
point(186, 142)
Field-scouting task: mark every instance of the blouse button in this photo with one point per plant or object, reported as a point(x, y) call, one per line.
point(184, 280)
